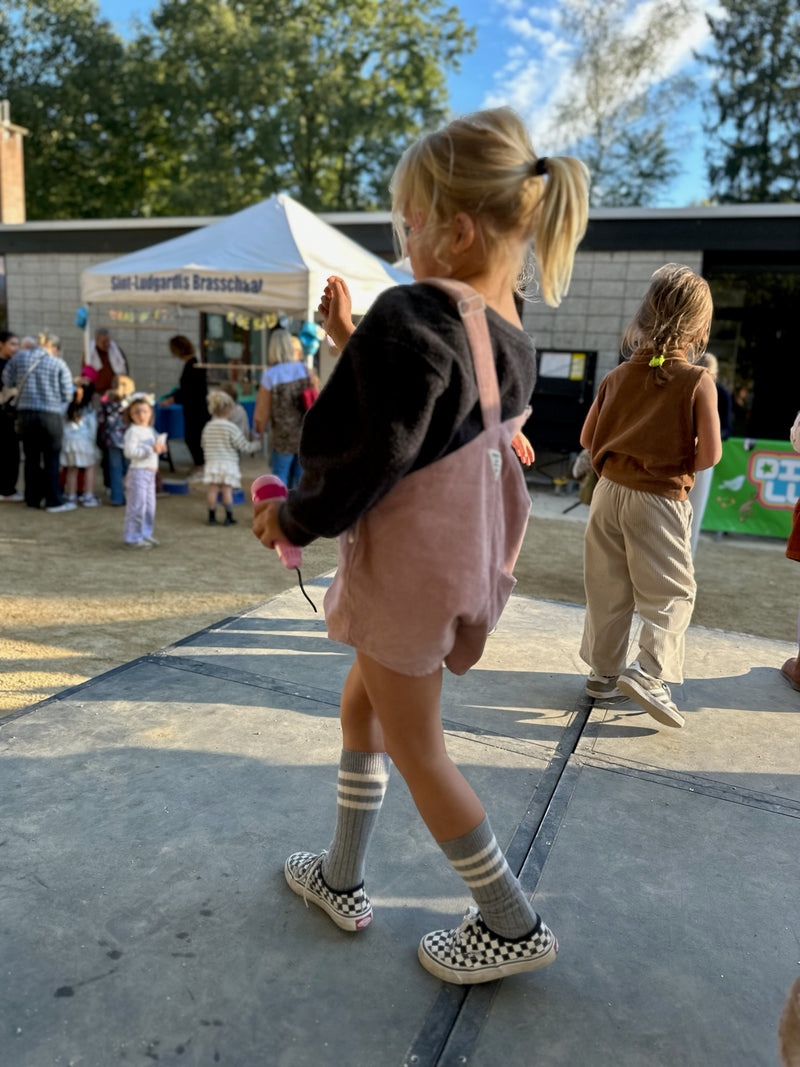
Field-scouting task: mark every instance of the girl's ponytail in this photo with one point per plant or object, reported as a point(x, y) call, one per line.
point(484, 164)
point(563, 216)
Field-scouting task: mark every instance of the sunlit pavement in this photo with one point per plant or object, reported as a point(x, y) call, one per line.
point(146, 816)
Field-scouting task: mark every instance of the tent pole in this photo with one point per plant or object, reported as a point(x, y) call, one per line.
point(311, 298)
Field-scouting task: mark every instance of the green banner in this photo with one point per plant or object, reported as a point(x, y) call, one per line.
point(754, 488)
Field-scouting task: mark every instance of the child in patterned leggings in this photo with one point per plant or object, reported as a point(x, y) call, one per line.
point(142, 447)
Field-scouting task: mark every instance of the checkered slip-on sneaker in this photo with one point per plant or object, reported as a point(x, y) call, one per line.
point(651, 694)
point(350, 909)
point(472, 953)
point(602, 686)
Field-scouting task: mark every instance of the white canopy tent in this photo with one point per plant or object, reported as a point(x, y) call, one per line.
point(272, 257)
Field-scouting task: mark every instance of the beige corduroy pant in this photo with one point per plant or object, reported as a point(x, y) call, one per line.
point(637, 557)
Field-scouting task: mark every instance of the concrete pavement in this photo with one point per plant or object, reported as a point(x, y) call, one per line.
point(146, 815)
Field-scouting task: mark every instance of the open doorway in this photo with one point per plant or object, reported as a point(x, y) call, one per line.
point(754, 306)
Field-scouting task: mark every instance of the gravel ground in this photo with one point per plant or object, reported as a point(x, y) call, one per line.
point(76, 602)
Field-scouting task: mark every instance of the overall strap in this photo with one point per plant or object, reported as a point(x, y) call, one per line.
point(472, 308)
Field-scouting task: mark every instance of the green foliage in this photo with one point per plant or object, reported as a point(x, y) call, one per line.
point(754, 108)
point(615, 118)
point(63, 70)
point(216, 104)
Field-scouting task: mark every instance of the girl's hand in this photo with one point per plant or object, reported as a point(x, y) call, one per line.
point(523, 448)
point(265, 522)
point(166, 402)
point(159, 447)
point(335, 306)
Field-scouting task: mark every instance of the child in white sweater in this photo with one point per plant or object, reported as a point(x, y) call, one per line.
point(142, 446)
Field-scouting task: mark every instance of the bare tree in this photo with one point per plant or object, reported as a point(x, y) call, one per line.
point(621, 93)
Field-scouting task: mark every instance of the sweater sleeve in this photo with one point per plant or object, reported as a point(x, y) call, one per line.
point(366, 429)
point(135, 447)
point(240, 442)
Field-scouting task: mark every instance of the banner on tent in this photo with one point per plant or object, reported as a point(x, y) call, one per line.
point(185, 281)
point(134, 317)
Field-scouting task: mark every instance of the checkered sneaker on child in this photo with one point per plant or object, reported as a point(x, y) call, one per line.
point(350, 909)
point(472, 953)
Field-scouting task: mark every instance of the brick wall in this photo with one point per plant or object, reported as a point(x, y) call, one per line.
point(12, 171)
point(44, 292)
point(605, 292)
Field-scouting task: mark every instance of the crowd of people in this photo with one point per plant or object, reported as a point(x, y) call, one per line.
point(75, 431)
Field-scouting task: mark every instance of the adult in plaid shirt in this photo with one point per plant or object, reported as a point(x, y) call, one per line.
point(46, 388)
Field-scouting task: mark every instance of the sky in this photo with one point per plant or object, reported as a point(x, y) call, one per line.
point(522, 59)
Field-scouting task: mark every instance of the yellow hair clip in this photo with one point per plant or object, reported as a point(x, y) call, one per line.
point(657, 361)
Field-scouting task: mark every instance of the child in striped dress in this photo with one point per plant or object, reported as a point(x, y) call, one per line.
point(222, 442)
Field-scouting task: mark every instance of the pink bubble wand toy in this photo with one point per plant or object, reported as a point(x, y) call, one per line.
point(270, 487)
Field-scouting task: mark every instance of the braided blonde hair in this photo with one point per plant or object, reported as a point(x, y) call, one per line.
point(674, 316)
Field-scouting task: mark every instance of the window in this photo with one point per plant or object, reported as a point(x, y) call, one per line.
point(231, 352)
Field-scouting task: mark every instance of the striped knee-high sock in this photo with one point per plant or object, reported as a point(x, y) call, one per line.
point(479, 860)
point(362, 785)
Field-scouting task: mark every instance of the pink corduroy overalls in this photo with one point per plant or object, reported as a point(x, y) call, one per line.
point(424, 575)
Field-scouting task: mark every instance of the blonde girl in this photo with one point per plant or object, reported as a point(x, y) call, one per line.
point(406, 454)
point(653, 423)
point(142, 446)
point(222, 441)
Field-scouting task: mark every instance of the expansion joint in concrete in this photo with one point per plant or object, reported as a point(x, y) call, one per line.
point(452, 1027)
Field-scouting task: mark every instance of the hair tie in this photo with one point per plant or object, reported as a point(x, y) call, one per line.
point(540, 166)
point(657, 361)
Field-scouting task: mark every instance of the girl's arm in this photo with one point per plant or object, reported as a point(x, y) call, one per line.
point(373, 420)
point(262, 409)
point(241, 444)
point(589, 426)
point(136, 447)
point(706, 421)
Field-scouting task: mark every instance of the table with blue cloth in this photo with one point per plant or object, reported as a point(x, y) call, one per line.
point(169, 420)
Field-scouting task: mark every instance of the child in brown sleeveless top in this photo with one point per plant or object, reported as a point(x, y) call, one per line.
point(407, 456)
point(653, 423)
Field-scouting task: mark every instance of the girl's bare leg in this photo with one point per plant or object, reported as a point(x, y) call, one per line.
point(88, 481)
point(408, 710)
point(361, 730)
point(71, 481)
point(227, 496)
point(211, 496)
point(409, 716)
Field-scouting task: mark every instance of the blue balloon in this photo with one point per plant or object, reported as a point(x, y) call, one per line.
point(309, 339)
